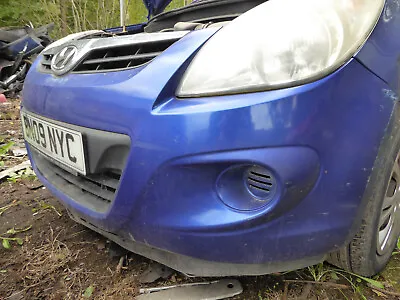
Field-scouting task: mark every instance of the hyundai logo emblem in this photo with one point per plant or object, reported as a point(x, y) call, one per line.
point(62, 59)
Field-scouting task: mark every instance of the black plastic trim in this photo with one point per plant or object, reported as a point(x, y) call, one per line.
point(198, 267)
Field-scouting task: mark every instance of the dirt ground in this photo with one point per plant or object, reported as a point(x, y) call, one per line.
point(51, 257)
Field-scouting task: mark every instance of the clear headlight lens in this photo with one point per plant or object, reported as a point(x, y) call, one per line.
point(280, 43)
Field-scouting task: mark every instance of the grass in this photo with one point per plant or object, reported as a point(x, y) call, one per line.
point(42, 205)
point(8, 206)
point(27, 173)
point(4, 149)
point(8, 237)
point(398, 248)
point(325, 273)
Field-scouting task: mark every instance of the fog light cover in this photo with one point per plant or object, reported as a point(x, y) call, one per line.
point(247, 187)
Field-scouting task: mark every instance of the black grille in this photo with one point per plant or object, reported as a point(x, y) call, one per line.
point(97, 191)
point(46, 62)
point(114, 53)
point(260, 182)
point(123, 57)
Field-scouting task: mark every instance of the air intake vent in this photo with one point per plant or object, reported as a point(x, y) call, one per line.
point(96, 191)
point(123, 57)
point(260, 182)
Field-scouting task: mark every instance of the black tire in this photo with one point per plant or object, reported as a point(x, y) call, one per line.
point(363, 255)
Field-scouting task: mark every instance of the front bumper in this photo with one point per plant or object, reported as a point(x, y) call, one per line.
point(319, 140)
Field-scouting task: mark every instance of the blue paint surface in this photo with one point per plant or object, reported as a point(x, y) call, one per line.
point(381, 52)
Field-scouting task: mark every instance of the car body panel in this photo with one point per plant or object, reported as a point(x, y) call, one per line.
point(381, 53)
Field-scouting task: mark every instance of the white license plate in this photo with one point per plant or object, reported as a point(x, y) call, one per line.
point(59, 143)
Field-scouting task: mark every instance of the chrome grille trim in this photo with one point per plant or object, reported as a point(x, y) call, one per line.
point(88, 47)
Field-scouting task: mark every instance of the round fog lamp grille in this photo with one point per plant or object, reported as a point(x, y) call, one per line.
point(260, 182)
point(247, 187)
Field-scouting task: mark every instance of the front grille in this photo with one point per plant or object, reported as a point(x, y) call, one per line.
point(120, 58)
point(46, 62)
point(97, 191)
point(113, 53)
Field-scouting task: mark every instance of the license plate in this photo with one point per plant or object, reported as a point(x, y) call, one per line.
point(59, 143)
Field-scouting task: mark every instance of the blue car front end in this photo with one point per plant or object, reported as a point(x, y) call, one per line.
point(241, 184)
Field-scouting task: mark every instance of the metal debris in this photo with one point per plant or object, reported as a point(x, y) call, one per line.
point(21, 166)
point(154, 272)
point(214, 290)
point(19, 152)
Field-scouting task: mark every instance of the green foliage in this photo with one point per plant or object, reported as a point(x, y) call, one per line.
point(88, 292)
point(17, 13)
point(22, 174)
point(43, 206)
point(136, 12)
point(6, 241)
point(7, 207)
point(6, 244)
point(318, 272)
point(398, 247)
point(5, 148)
point(323, 272)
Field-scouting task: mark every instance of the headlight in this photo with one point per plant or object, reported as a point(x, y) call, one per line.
point(280, 43)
